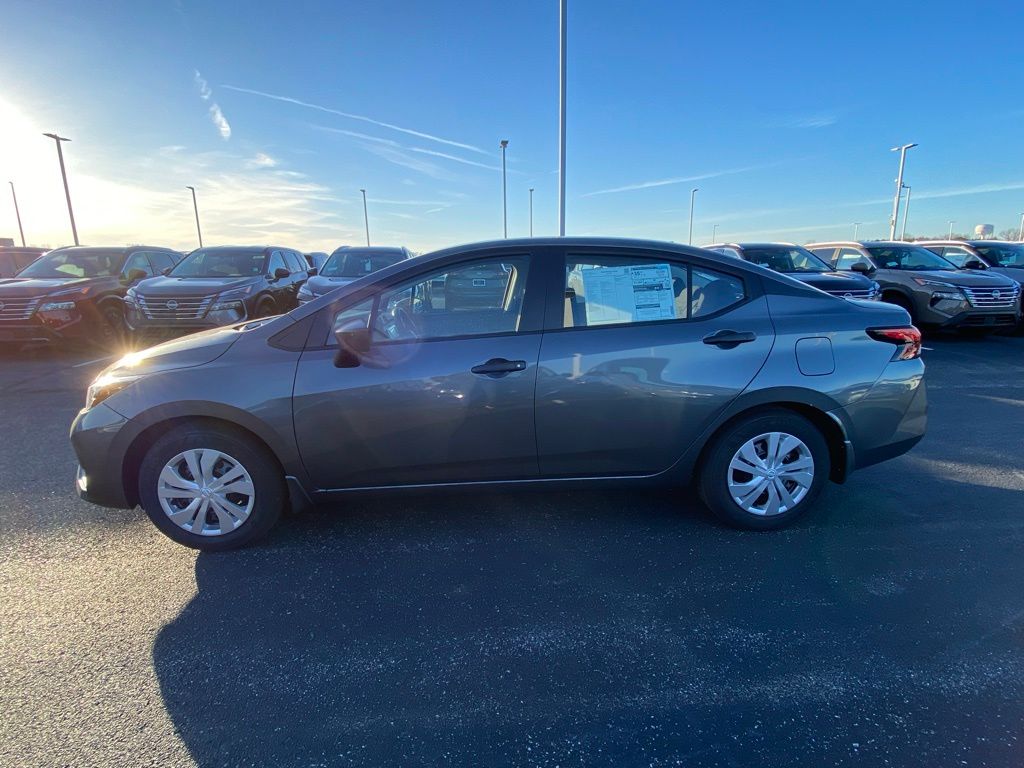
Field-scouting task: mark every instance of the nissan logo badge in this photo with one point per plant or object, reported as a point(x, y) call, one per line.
point(172, 304)
point(997, 294)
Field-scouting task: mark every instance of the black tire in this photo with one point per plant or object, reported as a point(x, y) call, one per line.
point(714, 471)
point(901, 301)
point(267, 479)
point(113, 329)
point(265, 308)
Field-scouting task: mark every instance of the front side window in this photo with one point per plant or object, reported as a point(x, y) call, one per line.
point(912, 258)
point(138, 260)
point(955, 254)
point(355, 263)
point(1003, 255)
point(850, 256)
point(221, 262)
point(276, 263)
point(615, 290)
point(475, 299)
point(786, 259)
point(825, 254)
point(76, 262)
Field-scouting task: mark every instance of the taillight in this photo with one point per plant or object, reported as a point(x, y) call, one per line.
point(907, 340)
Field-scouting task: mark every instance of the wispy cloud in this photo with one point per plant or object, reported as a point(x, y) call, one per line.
point(262, 160)
point(351, 116)
point(819, 120)
point(417, 203)
point(216, 115)
point(462, 160)
point(977, 189)
point(674, 180)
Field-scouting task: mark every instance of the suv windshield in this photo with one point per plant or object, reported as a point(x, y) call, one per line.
point(221, 262)
point(1003, 254)
point(358, 263)
point(786, 259)
point(76, 262)
point(909, 257)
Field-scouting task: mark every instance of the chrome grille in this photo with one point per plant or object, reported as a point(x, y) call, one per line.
point(17, 309)
point(174, 307)
point(868, 294)
point(993, 297)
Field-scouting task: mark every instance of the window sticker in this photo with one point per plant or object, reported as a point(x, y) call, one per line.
point(628, 294)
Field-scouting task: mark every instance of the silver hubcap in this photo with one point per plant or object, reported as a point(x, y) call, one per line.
point(771, 473)
point(206, 492)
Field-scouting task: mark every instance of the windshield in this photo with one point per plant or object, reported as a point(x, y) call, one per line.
point(75, 262)
point(786, 259)
point(908, 257)
point(221, 262)
point(358, 263)
point(1003, 254)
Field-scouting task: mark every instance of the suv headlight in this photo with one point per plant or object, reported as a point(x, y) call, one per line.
point(107, 385)
point(231, 299)
point(935, 283)
point(57, 306)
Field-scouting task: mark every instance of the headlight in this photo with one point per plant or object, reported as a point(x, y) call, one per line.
point(235, 295)
point(935, 283)
point(222, 306)
point(107, 385)
point(57, 306)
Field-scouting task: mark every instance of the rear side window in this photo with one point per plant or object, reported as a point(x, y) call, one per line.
point(617, 290)
point(295, 263)
point(955, 254)
point(848, 257)
point(825, 254)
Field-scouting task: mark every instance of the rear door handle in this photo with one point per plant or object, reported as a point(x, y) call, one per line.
point(729, 339)
point(497, 367)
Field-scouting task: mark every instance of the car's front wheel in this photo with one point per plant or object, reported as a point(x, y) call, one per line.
point(764, 471)
point(210, 488)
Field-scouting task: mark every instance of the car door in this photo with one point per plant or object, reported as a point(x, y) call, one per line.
point(443, 394)
point(280, 287)
point(644, 351)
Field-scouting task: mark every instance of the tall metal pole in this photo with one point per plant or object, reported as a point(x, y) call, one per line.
point(195, 207)
point(1021, 236)
point(894, 219)
point(504, 191)
point(531, 211)
point(856, 227)
point(17, 213)
point(64, 176)
point(714, 233)
point(561, 115)
point(366, 218)
point(693, 193)
point(951, 223)
point(906, 214)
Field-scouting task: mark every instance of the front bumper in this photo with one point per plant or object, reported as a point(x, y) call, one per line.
point(100, 439)
point(972, 317)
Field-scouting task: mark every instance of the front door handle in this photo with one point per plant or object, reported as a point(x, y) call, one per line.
point(729, 339)
point(497, 367)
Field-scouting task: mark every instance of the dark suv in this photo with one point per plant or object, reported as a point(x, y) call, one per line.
point(933, 290)
point(14, 259)
point(219, 286)
point(75, 294)
point(349, 263)
point(801, 264)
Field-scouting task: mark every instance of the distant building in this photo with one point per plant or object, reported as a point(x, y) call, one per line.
point(984, 231)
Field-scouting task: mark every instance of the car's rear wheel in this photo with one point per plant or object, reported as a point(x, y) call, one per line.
point(764, 471)
point(210, 488)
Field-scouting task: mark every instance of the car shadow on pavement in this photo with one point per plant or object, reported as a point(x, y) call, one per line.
point(583, 628)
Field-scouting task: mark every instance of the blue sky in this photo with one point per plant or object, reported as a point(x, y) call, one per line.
point(781, 113)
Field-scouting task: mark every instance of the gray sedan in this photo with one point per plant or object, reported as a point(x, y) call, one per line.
point(565, 363)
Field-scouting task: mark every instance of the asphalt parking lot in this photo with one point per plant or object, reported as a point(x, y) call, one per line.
point(535, 629)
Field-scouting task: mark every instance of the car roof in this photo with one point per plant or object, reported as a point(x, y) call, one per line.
point(752, 245)
point(372, 248)
point(859, 243)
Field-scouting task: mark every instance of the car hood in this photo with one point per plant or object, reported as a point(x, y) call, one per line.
point(968, 278)
point(29, 287)
point(1014, 273)
point(319, 285)
point(186, 352)
point(834, 281)
point(191, 286)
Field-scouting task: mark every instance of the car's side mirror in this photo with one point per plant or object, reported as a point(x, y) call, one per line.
point(134, 275)
point(862, 267)
point(281, 273)
point(975, 264)
point(166, 271)
point(311, 271)
point(353, 345)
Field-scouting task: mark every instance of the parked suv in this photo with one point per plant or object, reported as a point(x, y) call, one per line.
point(14, 259)
point(933, 290)
point(665, 365)
point(75, 294)
point(218, 286)
point(1004, 258)
point(349, 263)
point(797, 262)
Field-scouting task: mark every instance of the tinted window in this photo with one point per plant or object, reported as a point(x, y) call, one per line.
point(138, 260)
point(713, 291)
point(825, 254)
point(955, 254)
point(221, 262)
point(76, 262)
point(480, 298)
point(908, 257)
point(850, 256)
point(354, 263)
point(276, 263)
point(1003, 255)
point(161, 260)
point(296, 263)
point(786, 259)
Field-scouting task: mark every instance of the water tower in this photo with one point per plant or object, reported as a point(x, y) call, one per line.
point(984, 231)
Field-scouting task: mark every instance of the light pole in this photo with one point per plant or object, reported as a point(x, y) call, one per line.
point(531, 211)
point(693, 194)
point(504, 190)
point(17, 213)
point(714, 233)
point(64, 176)
point(366, 218)
point(906, 214)
point(1021, 236)
point(195, 207)
point(899, 189)
point(951, 223)
point(856, 227)
point(561, 115)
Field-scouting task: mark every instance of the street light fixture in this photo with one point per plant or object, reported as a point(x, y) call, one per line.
point(1021, 236)
point(693, 193)
point(504, 190)
point(714, 233)
point(531, 211)
point(195, 207)
point(951, 223)
point(856, 227)
point(366, 218)
point(899, 189)
point(906, 214)
point(17, 213)
point(64, 176)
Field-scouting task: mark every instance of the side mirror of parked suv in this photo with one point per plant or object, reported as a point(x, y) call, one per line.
point(862, 267)
point(134, 275)
point(975, 264)
point(281, 273)
point(311, 271)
